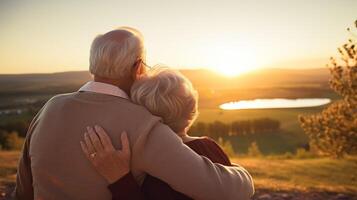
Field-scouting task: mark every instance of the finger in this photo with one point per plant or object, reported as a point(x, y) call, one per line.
point(89, 144)
point(104, 138)
point(95, 140)
point(84, 149)
point(125, 143)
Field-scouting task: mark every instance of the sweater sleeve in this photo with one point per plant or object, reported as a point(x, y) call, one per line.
point(126, 188)
point(24, 189)
point(162, 154)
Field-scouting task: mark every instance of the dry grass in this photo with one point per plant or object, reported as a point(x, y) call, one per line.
point(321, 174)
point(8, 164)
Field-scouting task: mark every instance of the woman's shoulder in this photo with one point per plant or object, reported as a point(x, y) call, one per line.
point(207, 147)
point(201, 141)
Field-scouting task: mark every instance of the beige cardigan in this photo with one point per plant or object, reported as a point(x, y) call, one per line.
point(53, 166)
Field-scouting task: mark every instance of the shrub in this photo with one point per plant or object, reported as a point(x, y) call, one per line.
point(302, 153)
point(227, 147)
point(334, 131)
point(254, 150)
point(288, 155)
point(13, 141)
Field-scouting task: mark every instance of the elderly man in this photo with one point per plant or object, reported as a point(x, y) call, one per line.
point(52, 165)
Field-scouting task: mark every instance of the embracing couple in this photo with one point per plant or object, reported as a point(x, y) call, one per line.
point(124, 136)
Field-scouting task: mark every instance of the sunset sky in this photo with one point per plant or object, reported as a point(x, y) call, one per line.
point(228, 36)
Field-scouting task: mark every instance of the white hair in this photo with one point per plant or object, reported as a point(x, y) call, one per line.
point(169, 95)
point(113, 54)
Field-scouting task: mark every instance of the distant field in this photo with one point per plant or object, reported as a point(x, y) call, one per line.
point(288, 139)
point(307, 175)
point(27, 93)
point(287, 117)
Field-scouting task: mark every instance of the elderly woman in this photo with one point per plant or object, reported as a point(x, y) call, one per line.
point(169, 95)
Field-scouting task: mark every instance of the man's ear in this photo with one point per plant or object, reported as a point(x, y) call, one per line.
point(137, 71)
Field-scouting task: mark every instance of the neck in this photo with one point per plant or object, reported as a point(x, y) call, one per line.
point(187, 138)
point(183, 135)
point(122, 83)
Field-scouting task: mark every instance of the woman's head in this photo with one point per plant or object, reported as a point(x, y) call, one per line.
point(168, 94)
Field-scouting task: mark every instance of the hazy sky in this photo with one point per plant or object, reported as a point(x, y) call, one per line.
point(52, 36)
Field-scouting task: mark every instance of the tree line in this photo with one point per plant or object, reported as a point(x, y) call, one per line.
point(219, 129)
point(11, 131)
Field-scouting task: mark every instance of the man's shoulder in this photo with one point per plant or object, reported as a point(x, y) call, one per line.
point(132, 107)
point(61, 97)
point(137, 112)
point(115, 104)
point(57, 99)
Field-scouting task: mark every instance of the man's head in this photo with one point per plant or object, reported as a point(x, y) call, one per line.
point(117, 56)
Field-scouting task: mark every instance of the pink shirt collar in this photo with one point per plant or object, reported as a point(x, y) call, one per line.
point(103, 88)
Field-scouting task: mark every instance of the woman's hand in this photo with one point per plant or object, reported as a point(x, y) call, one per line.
point(110, 163)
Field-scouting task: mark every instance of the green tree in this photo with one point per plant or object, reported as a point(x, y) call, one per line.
point(334, 131)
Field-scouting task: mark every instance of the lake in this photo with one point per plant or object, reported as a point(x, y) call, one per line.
point(274, 103)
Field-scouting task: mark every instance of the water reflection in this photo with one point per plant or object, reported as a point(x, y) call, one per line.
point(274, 103)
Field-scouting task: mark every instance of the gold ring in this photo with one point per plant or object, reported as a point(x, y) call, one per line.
point(92, 155)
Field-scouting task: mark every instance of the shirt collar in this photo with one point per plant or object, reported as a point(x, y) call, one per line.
point(103, 88)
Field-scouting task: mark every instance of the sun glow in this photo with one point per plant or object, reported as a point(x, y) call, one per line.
point(232, 60)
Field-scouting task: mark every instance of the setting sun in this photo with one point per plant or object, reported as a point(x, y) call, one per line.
point(232, 59)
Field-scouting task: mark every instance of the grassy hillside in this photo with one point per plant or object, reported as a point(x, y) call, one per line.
point(8, 165)
point(293, 177)
point(322, 174)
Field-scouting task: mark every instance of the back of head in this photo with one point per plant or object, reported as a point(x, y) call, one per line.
point(113, 54)
point(168, 94)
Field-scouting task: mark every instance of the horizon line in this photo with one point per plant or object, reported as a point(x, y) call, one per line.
point(179, 69)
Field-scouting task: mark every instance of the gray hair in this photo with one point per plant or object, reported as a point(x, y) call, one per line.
point(113, 54)
point(168, 94)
